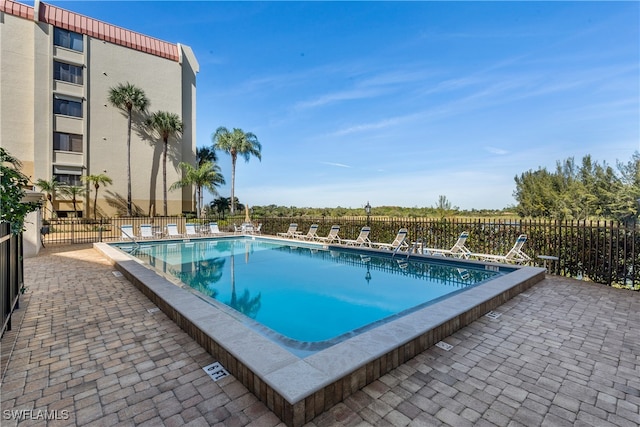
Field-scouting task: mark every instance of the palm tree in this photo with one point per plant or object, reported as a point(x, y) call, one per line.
point(74, 192)
point(205, 176)
point(97, 180)
point(236, 143)
point(206, 154)
point(50, 188)
point(167, 125)
point(221, 204)
point(128, 98)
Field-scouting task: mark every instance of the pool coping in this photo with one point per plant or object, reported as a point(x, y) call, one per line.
point(298, 389)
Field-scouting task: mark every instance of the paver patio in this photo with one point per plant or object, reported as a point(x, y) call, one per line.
point(85, 349)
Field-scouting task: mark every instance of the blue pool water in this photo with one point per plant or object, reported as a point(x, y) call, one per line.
point(305, 293)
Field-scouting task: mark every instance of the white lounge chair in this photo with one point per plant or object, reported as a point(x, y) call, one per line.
point(400, 242)
point(458, 249)
point(515, 255)
point(332, 236)
point(258, 229)
point(172, 231)
point(146, 231)
point(361, 240)
point(214, 229)
point(127, 232)
point(291, 232)
point(191, 230)
point(311, 234)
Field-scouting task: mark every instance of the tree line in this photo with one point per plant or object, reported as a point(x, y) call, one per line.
point(589, 190)
point(221, 207)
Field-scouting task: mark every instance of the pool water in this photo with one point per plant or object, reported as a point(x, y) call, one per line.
point(306, 293)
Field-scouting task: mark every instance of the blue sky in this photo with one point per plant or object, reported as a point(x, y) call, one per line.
point(396, 103)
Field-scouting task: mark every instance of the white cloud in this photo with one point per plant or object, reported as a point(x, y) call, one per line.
point(347, 95)
point(498, 151)
point(340, 165)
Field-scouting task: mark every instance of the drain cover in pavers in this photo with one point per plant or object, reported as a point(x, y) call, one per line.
point(153, 310)
point(216, 371)
point(493, 315)
point(117, 273)
point(443, 345)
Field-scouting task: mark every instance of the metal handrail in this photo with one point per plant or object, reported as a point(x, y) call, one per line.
point(397, 249)
point(416, 247)
point(132, 238)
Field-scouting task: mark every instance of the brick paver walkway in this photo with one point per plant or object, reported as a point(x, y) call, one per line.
point(89, 352)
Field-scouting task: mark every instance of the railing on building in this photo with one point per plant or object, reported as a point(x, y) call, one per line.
point(11, 273)
point(600, 251)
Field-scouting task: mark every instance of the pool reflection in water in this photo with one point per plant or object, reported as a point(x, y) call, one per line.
point(305, 293)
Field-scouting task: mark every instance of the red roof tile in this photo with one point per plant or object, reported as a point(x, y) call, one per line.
point(94, 28)
point(16, 9)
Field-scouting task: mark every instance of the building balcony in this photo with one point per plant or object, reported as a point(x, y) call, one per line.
point(68, 55)
point(68, 124)
point(67, 88)
point(68, 158)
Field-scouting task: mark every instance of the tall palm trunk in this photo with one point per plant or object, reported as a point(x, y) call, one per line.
point(129, 163)
point(50, 198)
point(234, 156)
point(199, 200)
point(95, 201)
point(164, 175)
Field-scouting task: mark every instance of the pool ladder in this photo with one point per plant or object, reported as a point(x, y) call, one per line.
point(416, 248)
point(397, 249)
point(413, 249)
point(132, 238)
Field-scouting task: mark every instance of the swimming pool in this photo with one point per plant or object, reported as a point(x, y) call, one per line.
point(305, 297)
point(298, 388)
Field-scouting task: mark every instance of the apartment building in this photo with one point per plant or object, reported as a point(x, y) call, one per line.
point(56, 70)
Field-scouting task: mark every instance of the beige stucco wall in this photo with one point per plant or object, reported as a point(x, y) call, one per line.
point(42, 101)
point(27, 120)
point(31, 235)
point(190, 68)
point(107, 66)
point(16, 89)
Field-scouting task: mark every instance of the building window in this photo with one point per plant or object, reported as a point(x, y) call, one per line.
point(67, 142)
point(68, 39)
point(67, 107)
point(67, 72)
point(68, 175)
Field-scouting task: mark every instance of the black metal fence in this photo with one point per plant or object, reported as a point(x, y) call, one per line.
point(81, 230)
point(11, 273)
point(600, 251)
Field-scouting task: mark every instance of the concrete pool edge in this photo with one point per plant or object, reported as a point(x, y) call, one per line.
point(295, 389)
